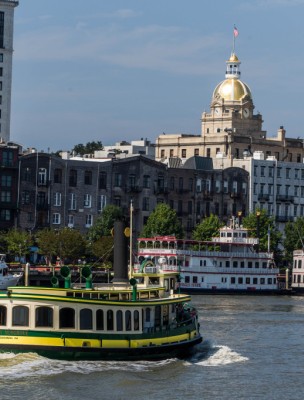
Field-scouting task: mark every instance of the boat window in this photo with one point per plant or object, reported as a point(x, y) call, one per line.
point(249, 264)
point(232, 280)
point(110, 325)
point(262, 281)
point(67, 318)
point(99, 320)
point(20, 316)
point(194, 279)
point(86, 319)
point(136, 320)
point(128, 320)
point(157, 315)
point(247, 280)
point(119, 320)
point(269, 281)
point(165, 315)
point(255, 281)
point(3, 313)
point(44, 317)
point(300, 264)
point(172, 283)
point(148, 314)
point(242, 264)
point(187, 279)
point(240, 280)
point(167, 284)
point(235, 264)
point(227, 264)
point(257, 264)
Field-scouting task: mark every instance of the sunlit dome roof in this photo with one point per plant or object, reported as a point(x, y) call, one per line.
point(232, 89)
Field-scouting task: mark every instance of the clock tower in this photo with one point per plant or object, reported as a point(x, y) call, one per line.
point(231, 118)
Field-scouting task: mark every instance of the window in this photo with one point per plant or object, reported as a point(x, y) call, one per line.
point(240, 280)
point(41, 176)
point(87, 201)
point(1, 29)
point(56, 218)
point(66, 318)
point(146, 203)
point(41, 200)
point(117, 201)
point(102, 202)
point(184, 153)
point(102, 180)
point(44, 317)
point(86, 319)
point(70, 221)
point(89, 220)
point(7, 158)
point(196, 152)
point(26, 173)
point(58, 175)
point(3, 314)
point(117, 180)
point(171, 152)
point(119, 325)
point(99, 320)
point(57, 199)
point(72, 201)
point(132, 181)
point(1, 57)
point(208, 152)
point(6, 196)
point(136, 320)
point(88, 177)
point(110, 322)
point(73, 178)
point(232, 280)
point(180, 183)
point(6, 181)
point(128, 321)
point(146, 181)
point(20, 316)
point(248, 281)
point(162, 153)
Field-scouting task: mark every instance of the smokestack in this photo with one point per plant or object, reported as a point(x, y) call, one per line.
point(120, 254)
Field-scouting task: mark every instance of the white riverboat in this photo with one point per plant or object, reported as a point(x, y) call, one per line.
point(6, 278)
point(297, 279)
point(231, 262)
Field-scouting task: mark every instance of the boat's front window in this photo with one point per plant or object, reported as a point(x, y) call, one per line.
point(110, 322)
point(20, 316)
point(99, 320)
point(44, 317)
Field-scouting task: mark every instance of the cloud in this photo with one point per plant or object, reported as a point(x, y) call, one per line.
point(166, 48)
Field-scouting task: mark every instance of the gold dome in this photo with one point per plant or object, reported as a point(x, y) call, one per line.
point(232, 89)
point(233, 57)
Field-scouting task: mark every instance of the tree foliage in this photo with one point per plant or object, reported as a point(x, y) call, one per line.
point(102, 249)
point(65, 243)
point(88, 148)
point(294, 238)
point(259, 223)
point(18, 242)
point(208, 228)
point(105, 222)
point(163, 221)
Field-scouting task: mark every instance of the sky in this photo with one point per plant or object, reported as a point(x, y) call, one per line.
point(100, 70)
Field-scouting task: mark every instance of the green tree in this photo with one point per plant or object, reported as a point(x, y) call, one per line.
point(293, 238)
point(47, 240)
point(102, 249)
point(163, 221)
point(88, 148)
point(208, 228)
point(71, 244)
point(259, 224)
point(105, 222)
point(18, 242)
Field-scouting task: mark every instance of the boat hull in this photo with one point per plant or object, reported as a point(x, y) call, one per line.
point(153, 352)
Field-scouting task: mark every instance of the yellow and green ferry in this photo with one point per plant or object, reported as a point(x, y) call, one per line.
point(135, 317)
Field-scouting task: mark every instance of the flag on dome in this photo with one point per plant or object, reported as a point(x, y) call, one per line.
point(235, 31)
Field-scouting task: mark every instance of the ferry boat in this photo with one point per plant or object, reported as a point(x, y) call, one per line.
point(140, 315)
point(229, 263)
point(7, 278)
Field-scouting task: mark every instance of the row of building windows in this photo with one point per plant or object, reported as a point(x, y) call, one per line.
point(287, 173)
point(298, 278)
point(261, 189)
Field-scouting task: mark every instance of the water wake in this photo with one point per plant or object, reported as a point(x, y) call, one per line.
point(211, 355)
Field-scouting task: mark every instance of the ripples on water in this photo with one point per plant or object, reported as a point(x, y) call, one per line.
point(252, 350)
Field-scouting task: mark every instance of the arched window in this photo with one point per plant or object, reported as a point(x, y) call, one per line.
point(128, 320)
point(86, 319)
point(20, 316)
point(99, 320)
point(3, 313)
point(66, 318)
point(136, 320)
point(44, 317)
point(119, 320)
point(110, 324)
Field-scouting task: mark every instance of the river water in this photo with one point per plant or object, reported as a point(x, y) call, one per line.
point(253, 349)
